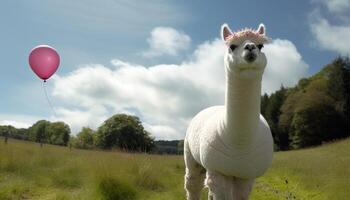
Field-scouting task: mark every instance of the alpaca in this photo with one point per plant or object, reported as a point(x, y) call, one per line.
point(230, 145)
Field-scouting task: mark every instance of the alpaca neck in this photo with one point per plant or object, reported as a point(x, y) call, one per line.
point(242, 106)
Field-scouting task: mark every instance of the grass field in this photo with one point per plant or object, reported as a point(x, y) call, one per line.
point(30, 172)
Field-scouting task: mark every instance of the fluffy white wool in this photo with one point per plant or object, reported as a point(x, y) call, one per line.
point(212, 150)
point(232, 140)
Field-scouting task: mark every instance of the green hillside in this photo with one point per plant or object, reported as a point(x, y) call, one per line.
point(52, 172)
point(315, 111)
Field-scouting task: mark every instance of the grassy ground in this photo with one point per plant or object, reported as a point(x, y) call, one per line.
point(30, 172)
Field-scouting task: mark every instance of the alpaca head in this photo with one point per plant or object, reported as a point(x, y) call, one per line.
point(244, 56)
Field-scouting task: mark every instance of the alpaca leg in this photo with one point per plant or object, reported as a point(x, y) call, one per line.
point(242, 188)
point(219, 186)
point(194, 177)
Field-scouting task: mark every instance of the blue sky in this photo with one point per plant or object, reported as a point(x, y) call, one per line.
point(120, 39)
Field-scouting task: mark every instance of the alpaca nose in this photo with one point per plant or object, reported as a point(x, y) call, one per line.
point(250, 46)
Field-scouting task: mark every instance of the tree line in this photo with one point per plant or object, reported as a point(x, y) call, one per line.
point(315, 111)
point(121, 131)
point(169, 147)
point(42, 131)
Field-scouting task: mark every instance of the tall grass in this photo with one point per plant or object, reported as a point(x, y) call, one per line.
point(320, 173)
point(146, 177)
point(113, 189)
point(30, 172)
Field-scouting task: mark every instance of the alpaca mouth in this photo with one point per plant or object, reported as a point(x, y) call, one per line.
point(249, 68)
point(250, 57)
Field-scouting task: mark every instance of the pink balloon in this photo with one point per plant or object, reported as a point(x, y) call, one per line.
point(44, 61)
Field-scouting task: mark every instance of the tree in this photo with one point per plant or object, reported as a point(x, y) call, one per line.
point(316, 118)
point(148, 143)
point(46, 132)
point(339, 84)
point(264, 104)
point(21, 134)
point(72, 142)
point(180, 147)
point(85, 138)
point(124, 132)
point(2, 133)
point(7, 132)
point(37, 132)
point(58, 133)
point(286, 118)
point(316, 124)
point(272, 115)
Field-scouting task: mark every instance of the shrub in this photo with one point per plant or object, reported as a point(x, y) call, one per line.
point(125, 132)
point(113, 189)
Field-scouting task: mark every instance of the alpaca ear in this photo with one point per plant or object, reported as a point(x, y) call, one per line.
point(261, 30)
point(225, 32)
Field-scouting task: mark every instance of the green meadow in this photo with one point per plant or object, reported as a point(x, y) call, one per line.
point(28, 171)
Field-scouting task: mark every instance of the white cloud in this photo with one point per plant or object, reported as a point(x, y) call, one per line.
point(330, 36)
point(162, 132)
point(18, 121)
point(15, 123)
point(77, 118)
point(285, 65)
point(166, 41)
point(337, 5)
point(166, 97)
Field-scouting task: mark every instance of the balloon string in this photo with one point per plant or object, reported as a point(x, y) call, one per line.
point(48, 99)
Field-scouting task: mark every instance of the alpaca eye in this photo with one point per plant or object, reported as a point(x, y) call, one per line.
point(233, 47)
point(260, 46)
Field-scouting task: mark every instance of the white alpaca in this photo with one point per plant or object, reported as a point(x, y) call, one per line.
point(231, 144)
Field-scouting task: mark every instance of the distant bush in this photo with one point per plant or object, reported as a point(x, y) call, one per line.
point(113, 189)
point(168, 147)
point(49, 132)
point(124, 132)
point(85, 139)
point(58, 133)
